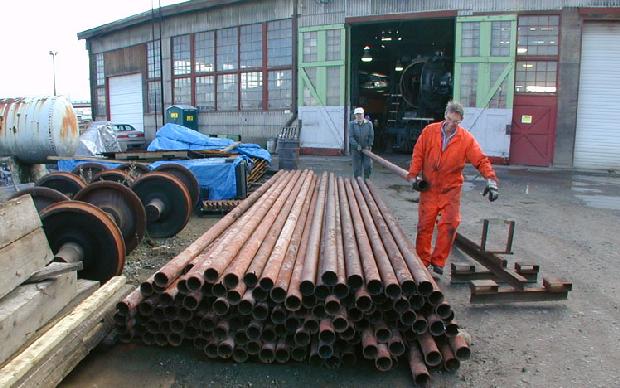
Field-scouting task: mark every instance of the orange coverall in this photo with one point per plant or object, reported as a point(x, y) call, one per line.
point(443, 171)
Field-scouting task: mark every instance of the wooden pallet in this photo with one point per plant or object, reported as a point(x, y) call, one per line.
point(148, 155)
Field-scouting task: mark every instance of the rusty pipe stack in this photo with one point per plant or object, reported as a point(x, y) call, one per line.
point(307, 268)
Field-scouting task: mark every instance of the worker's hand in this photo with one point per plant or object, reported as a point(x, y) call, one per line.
point(491, 189)
point(359, 147)
point(419, 184)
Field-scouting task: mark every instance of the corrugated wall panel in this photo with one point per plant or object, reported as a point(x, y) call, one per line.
point(313, 13)
point(356, 8)
point(597, 143)
point(251, 12)
point(252, 126)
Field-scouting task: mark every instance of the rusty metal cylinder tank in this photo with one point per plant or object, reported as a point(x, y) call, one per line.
point(31, 129)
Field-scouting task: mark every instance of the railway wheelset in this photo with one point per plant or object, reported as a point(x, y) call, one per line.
point(98, 215)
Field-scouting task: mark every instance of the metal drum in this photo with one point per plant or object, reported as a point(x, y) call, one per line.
point(31, 129)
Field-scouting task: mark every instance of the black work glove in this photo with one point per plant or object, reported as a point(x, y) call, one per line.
point(419, 184)
point(491, 189)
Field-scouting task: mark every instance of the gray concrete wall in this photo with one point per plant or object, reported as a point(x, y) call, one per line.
point(568, 87)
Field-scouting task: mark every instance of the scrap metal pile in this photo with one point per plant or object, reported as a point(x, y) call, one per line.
point(306, 268)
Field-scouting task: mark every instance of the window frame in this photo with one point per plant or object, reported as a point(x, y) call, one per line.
point(264, 68)
point(101, 90)
point(154, 76)
point(524, 57)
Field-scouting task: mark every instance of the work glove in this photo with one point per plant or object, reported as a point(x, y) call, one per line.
point(359, 147)
point(491, 189)
point(419, 184)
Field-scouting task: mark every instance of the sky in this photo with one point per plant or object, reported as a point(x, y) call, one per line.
point(30, 29)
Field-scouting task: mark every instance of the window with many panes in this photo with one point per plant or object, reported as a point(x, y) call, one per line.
point(280, 89)
point(181, 57)
point(311, 49)
point(100, 69)
point(252, 90)
point(101, 101)
point(279, 43)
point(538, 35)
point(205, 93)
point(537, 54)
point(227, 46)
point(153, 71)
point(100, 93)
point(227, 92)
point(500, 38)
point(183, 91)
point(536, 77)
point(333, 45)
point(469, 81)
point(251, 46)
point(470, 39)
point(204, 49)
point(239, 68)
point(499, 98)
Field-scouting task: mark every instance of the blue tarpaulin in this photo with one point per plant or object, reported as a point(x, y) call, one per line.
point(172, 137)
point(217, 175)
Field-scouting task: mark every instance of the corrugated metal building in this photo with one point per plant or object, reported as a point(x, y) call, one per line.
point(539, 79)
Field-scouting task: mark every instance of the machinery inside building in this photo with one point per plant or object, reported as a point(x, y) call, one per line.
point(401, 74)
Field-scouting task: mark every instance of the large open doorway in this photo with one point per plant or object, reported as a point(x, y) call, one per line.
point(401, 74)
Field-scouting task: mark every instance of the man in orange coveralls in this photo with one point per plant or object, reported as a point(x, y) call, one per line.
point(437, 163)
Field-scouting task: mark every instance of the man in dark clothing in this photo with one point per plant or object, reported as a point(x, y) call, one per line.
point(361, 137)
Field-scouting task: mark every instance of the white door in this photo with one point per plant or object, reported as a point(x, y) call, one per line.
point(597, 142)
point(126, 100)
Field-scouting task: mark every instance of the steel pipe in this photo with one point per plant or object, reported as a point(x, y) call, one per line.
point(431, 353)
point(388, 277)
point(387, 164)
point(416, 267)
point(418, 368)
point(353, 266)
point(174, 267)
point(310, 267)
point(279, 291)
point(371, 271)
point(282, 232)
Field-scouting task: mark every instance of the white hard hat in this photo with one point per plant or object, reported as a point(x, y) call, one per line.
point(358, 110)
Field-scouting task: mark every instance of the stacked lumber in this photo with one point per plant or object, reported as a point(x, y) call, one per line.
point(36, 296)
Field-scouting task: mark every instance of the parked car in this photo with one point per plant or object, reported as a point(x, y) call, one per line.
point(128, 137)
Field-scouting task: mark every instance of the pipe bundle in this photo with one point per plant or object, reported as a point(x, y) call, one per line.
point(306, 268)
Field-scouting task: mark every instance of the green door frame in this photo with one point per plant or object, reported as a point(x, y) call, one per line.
point(319, 91)
point(484, 89)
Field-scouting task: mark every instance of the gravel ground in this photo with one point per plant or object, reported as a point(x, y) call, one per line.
point(565, 221)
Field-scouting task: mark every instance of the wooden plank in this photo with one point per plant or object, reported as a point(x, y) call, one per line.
point(54, 269)
point(84, 289)
point(19, 218)
point(58, 366)
point(29, 307)
point(20, 259)
point(34, 366)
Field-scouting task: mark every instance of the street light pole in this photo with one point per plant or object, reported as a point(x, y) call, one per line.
point(53, 54)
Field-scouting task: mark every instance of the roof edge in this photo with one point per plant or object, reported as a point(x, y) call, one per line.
point(147, 16)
